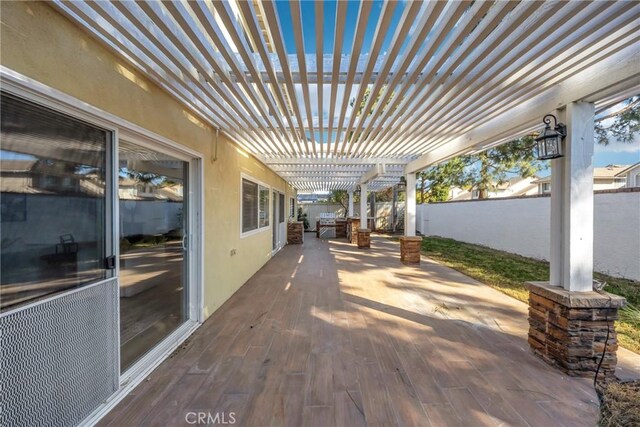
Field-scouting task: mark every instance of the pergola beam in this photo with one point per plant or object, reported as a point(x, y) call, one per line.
point(597, 82)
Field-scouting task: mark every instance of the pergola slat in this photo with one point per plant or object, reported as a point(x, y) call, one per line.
point(434, 80)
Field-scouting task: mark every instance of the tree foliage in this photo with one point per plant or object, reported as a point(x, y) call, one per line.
point(486, 170)
point(624, 127)
point(435, 182)
point(342, 198)
point(482, 171)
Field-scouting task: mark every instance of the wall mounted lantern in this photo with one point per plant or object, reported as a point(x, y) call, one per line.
point(402, 185)
point(549, 142)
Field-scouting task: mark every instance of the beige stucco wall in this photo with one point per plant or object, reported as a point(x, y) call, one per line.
point(42, 44)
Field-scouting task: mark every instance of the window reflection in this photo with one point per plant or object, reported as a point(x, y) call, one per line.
point(52, 183)
point(153, 220)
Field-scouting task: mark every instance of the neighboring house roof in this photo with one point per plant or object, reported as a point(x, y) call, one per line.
point(17, 165)
point(629, 169)
point(610, 171)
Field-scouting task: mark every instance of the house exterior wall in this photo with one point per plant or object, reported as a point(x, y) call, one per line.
point(521, 226)
point(632, 176)
point(42, 44)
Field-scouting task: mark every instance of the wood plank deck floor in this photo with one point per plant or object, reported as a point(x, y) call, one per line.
point(326, 334)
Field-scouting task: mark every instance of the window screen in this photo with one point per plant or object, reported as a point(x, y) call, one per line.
point(53, 201)
point(255, 206)
point(264, 207)
point(249, 205)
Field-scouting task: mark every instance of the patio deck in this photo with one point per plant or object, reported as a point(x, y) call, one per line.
point(326, 334)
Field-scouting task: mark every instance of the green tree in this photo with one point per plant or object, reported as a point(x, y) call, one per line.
point(491, 168)
point(625, 125)
point(434, 183)
point(342, 198)
point(481, 171)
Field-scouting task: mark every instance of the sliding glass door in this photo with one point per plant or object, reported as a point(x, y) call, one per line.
point(53, 184)
point(154, 230)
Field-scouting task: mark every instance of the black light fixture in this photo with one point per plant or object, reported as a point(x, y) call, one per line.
point(549, 142)
point(357, 192)
point(403, 183)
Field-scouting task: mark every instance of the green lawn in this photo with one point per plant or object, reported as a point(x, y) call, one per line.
point(508, 273)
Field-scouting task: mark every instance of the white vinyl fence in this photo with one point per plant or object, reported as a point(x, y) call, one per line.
point(521, 226)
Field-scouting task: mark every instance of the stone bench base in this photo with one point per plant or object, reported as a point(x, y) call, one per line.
point(364, 238)
point(410, 249)
point(569, 329)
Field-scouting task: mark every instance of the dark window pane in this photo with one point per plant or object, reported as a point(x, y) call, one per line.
point(249, 205)
point(53, 202)
point(281, 208)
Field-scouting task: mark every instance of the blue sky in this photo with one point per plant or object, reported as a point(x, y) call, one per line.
point(617, 154)
point(308, 25)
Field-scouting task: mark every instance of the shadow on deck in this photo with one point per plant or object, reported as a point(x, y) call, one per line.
point(326, 334)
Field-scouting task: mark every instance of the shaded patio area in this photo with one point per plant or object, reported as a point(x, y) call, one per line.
point(326, 334)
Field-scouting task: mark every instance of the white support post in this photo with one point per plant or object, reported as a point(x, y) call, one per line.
point(350, 213)
point(363, 205)
point(410, 206)
point(571, 252)
point(555, 226)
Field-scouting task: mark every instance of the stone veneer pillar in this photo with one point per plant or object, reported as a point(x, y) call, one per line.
point(410, 249)
point(569, 329)
point(295, 233)
point(355, 226)
point(364, 238)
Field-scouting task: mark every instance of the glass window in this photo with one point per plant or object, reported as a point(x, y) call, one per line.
point(53, 202)
point(255, 206)
point(292, 207)
point(249, 205)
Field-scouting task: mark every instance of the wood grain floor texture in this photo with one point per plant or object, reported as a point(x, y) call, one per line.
point(326, 334)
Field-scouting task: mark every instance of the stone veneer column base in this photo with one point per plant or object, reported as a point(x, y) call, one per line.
point(355, 226)
point(410, 249)
point(569, 329)
point(295, 233)
point(364, 238)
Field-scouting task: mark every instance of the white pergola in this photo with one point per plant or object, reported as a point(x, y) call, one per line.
point(434, 79)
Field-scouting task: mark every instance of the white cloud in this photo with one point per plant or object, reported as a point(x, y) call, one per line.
point(620, 147)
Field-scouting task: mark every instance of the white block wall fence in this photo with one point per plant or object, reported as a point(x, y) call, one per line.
point(521, 225)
